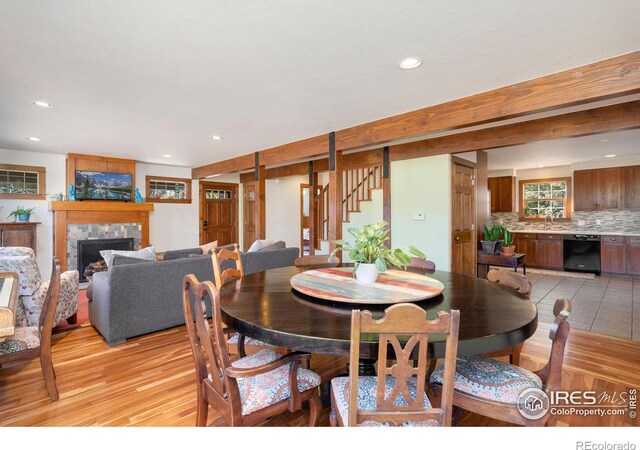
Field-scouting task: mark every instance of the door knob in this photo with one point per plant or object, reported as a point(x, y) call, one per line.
point(456, 238)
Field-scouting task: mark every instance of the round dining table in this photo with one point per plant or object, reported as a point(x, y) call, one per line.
point(264, 306)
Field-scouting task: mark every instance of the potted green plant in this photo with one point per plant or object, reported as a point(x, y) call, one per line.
point(508, 249)
point(370, 254)
point(21, 214)
point(491, 245)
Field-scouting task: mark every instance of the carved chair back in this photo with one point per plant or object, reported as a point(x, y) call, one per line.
point(513, 280)
point(551, 374)
point(48, 312)
point(220, 258)
point(408, 321)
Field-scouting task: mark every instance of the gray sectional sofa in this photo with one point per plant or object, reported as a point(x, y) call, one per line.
point(137, 297)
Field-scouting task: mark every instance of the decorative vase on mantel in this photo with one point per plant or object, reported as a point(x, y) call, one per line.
point(366, 273)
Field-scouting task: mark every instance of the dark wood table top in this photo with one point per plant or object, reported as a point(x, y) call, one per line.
point(483, 258)
point(264, 306)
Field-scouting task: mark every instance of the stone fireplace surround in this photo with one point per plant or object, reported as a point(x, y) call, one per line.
point(73, 221)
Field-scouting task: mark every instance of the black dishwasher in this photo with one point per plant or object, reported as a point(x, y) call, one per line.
point(582, 253)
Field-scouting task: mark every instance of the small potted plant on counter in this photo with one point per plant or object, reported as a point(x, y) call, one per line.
point(508, 249)
point(21, 214)
point(492, 245)
point(370, 254)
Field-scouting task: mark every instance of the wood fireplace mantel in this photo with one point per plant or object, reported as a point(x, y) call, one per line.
point(82, 212)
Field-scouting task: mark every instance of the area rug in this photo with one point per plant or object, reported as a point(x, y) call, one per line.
point(83, 315)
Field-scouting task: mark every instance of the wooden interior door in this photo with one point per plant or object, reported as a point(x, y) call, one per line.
point(251, 225)
point(218, 213)
point(464, 247)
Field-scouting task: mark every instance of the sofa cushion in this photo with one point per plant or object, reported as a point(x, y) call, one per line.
point(145, 253)
point(182, 253)
point(121, 260)
point(275, 246)
point(257, 245)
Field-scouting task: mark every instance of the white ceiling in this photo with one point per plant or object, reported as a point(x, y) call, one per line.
point(560, 152)
point(143, 78)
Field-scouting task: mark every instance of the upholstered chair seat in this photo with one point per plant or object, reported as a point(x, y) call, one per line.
point(233, 340)
point(269, 388)
point(489, 379)
point(367, 391)
point(22, 339)
point(32, 290)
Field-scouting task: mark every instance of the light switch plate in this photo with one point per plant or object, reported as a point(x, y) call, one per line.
point(598, 222)
point(418, 216)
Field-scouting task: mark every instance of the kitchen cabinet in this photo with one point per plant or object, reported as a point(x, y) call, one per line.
point(630, 177)
point(549, 251)
point(620, 254)
point(543, 250)
point(608, 189)
point(611, 189)
point(503, 190)
point(584, 190)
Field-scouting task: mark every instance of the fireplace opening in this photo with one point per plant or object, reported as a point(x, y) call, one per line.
point(89, 251)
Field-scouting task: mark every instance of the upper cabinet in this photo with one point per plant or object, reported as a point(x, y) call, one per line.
point(503, 198)
point(609, 189)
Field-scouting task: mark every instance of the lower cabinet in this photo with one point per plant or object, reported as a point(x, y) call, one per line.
point(543, 250)
point(620, 254)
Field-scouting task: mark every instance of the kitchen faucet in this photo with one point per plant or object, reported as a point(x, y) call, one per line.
point(545, 220)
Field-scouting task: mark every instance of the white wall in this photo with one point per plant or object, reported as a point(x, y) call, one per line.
point(607, 162)
point(283, 209)
point(423, 185)
point(55, 179)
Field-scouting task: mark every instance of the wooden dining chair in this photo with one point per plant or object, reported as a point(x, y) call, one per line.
point(28, 343)
point(231, 260)
point(317, 260)
point(251, 389)
point(491, 388)
point(422, 263)
point(521, 285)
point(396, 396)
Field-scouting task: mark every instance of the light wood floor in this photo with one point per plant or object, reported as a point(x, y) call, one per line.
point(149, 381)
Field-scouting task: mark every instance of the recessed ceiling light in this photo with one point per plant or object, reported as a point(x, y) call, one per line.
point(540, 167)
point(34, 139)
point(410, 63)
point(42, 104)
point(167, 156)
point(609, 156)
point(604, 140)
point(216, 138)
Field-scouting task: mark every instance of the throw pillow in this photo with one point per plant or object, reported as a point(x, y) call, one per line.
point(145, 253)
point(275, 246)
point(257, 245)
point(206, 248)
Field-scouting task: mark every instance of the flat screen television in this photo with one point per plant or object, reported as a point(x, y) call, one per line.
point(103, 185)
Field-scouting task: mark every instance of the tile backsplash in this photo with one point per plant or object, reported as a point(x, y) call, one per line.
point(610, 222)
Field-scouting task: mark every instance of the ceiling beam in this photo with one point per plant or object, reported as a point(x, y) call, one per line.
point(610, 78)
point(624, 116)
point(614, 77)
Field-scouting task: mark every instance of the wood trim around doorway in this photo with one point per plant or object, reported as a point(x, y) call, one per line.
point(202, 187)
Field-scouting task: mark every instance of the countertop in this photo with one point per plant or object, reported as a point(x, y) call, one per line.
point(579, 231)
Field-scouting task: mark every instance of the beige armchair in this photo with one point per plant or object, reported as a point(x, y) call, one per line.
point(32, 290)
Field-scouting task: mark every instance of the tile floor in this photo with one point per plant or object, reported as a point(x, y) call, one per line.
point(605, 305)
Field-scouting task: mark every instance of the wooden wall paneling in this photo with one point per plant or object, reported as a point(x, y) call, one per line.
point(76, 161)
point(609, 78)
point(623, 116)
point(335, 193)
point(482, 194)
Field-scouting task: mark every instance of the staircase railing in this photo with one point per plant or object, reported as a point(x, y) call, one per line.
point(357, 184)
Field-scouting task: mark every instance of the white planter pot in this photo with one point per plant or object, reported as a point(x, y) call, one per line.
point(367, 273)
